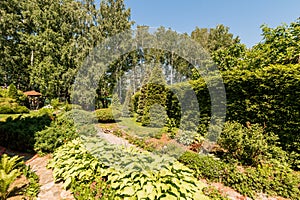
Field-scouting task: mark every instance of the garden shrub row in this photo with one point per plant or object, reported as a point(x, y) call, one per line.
point(251, 145)
point(13, 109)
point(42, 132)
point(66, 127)
point(268, 96)
point(59, 132)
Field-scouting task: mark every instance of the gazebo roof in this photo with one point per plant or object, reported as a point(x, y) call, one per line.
point(32, 93)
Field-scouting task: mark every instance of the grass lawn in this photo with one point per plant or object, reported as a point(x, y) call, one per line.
point(132, 127)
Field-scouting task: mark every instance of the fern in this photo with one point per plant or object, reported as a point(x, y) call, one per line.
point(9, 171)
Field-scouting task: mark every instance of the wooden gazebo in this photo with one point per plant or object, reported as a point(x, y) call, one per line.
point(33, 98)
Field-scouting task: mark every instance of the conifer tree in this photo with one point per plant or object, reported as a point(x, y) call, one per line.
point(127, 109)
point(153, 93)
point(143, 95)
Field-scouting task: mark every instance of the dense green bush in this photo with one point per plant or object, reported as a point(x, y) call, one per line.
point(154, 116)
point(106, 115)
point(207, 167)
point(66, 127)
point(10, 106)
point(80, 117)
point(60, 131)
point(12, 91)
point(19, 133)
point(275, 179)
point(268, 96)
point(250, 145)
point(8, 109)
point(17, 95)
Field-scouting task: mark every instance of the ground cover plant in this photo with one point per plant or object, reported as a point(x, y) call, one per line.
point(144, 177)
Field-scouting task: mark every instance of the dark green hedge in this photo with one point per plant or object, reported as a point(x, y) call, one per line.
point(19, 133)
point(268, 96)
point(11, 106)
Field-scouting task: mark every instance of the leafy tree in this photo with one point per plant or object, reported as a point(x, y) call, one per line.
point(201, 35)
point(14, 54)
point(280, 45)
point(214, 38)
point(225, 49)
point(230, 57)
point(43, 43)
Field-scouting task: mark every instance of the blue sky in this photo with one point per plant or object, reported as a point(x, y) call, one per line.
point(243, 17)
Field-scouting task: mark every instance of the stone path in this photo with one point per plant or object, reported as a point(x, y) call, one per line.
point(49, 190)
point(112, 139)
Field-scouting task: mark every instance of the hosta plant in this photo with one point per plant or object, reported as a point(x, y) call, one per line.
point(132, 174)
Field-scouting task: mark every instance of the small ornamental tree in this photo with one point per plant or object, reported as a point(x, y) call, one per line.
point(142, 97)
point(154, 92)
point(12, 91)
point(127, 109)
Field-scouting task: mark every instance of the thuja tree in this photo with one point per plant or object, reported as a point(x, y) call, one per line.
point(127, 109)
point(153, 94)
point(142, 96)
